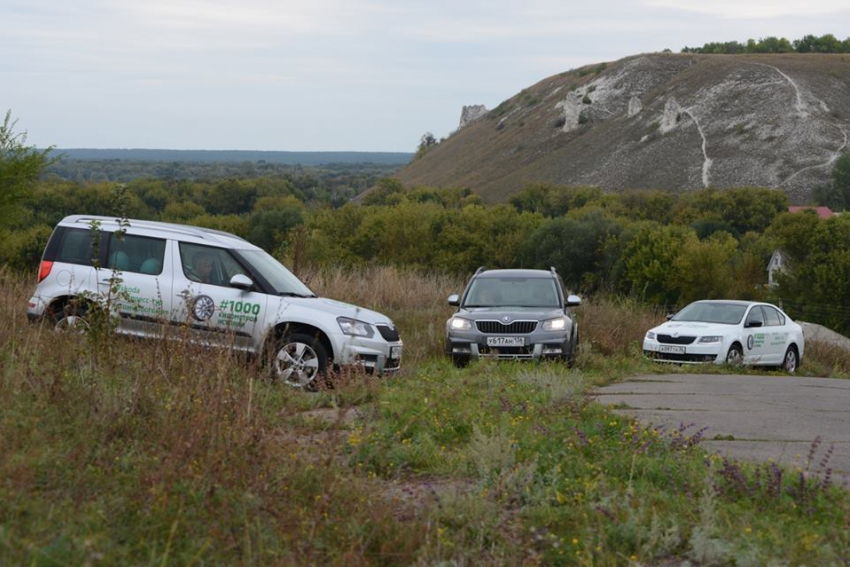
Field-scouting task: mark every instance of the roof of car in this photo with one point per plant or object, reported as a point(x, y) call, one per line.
point(515, 274)
point(178, 231)
point(738, 302)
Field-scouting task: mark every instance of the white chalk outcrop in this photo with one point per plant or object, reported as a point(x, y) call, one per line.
point(471, 113)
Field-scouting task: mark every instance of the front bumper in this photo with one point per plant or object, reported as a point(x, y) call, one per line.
point(374, 354)
point(694, 353)
point(539, 345)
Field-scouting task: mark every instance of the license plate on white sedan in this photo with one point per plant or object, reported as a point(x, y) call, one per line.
point(671, 349)
point(505, 341)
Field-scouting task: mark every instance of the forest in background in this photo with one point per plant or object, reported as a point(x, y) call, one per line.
point(663, 248)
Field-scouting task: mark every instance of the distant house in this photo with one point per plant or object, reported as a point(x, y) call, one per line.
point(778, 262)
point(822, 212)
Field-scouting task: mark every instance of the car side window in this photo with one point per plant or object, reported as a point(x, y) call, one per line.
point(772, 316)
point(756, 316)
point(209, 265)
point(137, 254)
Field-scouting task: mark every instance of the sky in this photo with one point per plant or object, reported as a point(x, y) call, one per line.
point(328, 75)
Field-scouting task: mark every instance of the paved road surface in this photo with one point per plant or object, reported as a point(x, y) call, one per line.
point(767, 417)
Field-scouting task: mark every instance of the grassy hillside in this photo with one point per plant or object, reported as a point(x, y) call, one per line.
point(155, 453)
point(671, 121)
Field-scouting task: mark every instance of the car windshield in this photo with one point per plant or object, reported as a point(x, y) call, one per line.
point(512, 292)
point(282, 281)
point(723, 313)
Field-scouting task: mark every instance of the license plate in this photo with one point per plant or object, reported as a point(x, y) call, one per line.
point(395, 352)
point(505, 341)
point(671, 349)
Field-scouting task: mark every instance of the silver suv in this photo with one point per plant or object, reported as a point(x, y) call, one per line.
point(225, 290)
point(513, 314)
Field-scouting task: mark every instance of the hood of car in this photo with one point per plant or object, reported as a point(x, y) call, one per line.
point(692, 329)
point(509, 314)
point(340, 309)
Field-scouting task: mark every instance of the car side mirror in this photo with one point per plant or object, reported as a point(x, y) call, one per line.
point(751, 324)
point(454, 300)
point(670, 316)
point(241, 281)
point(573, 301)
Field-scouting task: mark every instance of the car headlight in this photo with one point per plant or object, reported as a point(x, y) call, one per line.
point(355, 328)
point(558, 324)
point(711, 339)
point(650, 335)
point(458, 324)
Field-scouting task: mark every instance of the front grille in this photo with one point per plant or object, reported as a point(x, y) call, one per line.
point(669, 340)
point(390, 334)
point(515, 353)
point(499, 328)
point(673, 357)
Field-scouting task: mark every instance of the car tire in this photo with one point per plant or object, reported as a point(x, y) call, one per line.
point(71, 318)
point(460, 361)
point(735, 356)
point(300, 361)
point(791, 361)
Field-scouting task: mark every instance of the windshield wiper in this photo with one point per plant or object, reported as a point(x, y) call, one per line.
point(293, 294)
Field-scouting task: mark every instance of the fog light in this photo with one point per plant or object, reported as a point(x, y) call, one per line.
point(552, 350)
point(461, 349)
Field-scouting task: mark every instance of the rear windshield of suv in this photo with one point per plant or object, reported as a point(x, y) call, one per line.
point(512, 292)
point(71, 246)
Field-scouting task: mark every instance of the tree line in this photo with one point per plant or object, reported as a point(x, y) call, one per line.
point(827, 43)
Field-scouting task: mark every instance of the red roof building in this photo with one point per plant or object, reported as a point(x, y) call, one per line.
point(822, 212)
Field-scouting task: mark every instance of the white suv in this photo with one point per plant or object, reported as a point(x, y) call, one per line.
point(227, 291)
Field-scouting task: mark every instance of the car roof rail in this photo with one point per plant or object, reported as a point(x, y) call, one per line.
point(479, 270)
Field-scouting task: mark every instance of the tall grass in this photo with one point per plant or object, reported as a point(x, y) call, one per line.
point(115, 451)
point(416, 302)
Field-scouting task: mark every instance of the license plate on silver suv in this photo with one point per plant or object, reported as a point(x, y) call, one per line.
point(505, 341)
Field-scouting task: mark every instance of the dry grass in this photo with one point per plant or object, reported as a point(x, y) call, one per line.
point(614, 326)
point(416, 302)
point(825, 359)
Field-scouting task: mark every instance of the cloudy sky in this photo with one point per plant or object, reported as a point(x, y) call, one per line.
point(365, 75)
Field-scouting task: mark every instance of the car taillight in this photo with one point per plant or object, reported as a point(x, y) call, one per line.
point(44, 270)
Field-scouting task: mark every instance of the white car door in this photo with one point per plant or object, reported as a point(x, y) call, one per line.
point(755, 337)
point(776, 334)
point(205, 300)
point(138, 280)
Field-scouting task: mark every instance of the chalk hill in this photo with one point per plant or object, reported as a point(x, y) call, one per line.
point(675, 121)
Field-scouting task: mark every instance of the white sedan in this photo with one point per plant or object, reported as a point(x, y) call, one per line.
point(734, 332)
